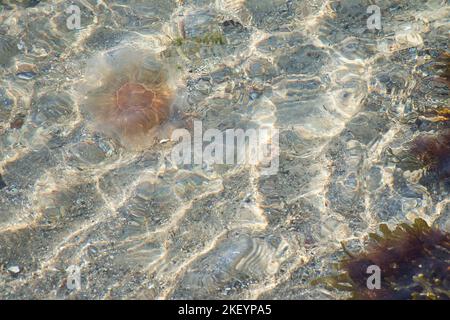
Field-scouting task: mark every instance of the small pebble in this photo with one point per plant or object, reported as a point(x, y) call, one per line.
point(28, 75)
point(14, 269)
point(17, 123)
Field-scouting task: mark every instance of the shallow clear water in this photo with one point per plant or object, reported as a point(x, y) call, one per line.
point(137, 226)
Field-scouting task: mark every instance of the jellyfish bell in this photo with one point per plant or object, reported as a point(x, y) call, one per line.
point(130, 95)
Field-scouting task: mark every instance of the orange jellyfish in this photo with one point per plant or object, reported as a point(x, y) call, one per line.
point(130, 95)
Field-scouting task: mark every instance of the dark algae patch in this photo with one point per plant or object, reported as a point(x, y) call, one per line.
point(433, 151)
point(413, 261)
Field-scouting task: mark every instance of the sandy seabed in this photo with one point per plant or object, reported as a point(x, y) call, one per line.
point(136, 225)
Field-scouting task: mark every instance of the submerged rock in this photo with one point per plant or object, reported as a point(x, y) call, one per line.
point(2, 183)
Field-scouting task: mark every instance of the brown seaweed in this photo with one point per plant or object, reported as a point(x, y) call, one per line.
point(433, 151)
point(413, 261)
